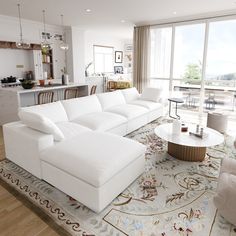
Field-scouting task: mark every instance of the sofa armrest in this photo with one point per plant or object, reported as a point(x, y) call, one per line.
point(228, 166)
point(224, 200)
point(23, 145)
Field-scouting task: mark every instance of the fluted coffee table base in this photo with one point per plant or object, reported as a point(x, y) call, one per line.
point(186, 153)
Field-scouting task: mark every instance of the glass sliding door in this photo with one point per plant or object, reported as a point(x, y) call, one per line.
point(187, 66)
point(220, 78)
point(182, 53)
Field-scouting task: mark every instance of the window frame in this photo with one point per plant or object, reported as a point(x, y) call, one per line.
point(173, 25)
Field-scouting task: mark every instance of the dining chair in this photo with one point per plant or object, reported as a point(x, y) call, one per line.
point(45, 97)
point(93, 89)
point(71, 93)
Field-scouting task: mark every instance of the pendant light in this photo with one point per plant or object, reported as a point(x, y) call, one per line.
point(45, 45)
point(63, 46)
point(21, 44)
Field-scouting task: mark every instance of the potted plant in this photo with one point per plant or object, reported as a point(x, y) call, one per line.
point(27, 83)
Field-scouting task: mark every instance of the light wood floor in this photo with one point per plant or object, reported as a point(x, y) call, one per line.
point(17, 217)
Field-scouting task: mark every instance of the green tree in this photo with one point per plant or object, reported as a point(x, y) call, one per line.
point(192, 74)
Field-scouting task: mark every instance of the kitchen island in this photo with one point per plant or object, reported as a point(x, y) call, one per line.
point(12, 98)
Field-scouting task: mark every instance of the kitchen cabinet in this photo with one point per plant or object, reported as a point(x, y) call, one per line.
point(58, 61)
point(38, 65)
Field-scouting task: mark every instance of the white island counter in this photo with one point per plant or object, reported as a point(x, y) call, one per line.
point(11, 98)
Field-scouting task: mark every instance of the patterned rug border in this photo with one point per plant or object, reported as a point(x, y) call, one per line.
point(33, 204)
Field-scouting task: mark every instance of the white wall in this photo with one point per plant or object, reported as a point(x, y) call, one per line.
point(76, 54)
point(103, 38)
point(10, 58)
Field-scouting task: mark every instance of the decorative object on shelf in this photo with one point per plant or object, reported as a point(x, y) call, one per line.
point(41, 82)
point(45, 74)
point(27, 83)
point(128, 47)
point(118, 56)
point(118, 69)
point(64, 46)
point(45, 45)
point(21, 44)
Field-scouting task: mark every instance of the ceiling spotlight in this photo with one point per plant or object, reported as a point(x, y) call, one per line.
point(122, 21)
point(174, 12)
point(88, 10)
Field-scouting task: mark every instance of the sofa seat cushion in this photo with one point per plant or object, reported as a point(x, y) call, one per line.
point(129, 111)
point(70, 129)
point(101, 121)
point(94, 157)
point(147, 104)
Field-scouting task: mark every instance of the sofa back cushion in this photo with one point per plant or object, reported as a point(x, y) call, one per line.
point(130, 94)
point(111, 99)
point(40, 123)
point(80, 106)
point(151, 94)
point(53, 111)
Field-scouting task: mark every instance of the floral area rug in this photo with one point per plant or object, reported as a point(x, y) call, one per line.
point(172, 197)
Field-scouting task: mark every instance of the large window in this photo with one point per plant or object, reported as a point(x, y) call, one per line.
point(221, 55)
point(198, 60)
point(160, 52)
point(103, 59)
point(188, 53)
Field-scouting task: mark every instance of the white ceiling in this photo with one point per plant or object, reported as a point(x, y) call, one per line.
point(109, 13)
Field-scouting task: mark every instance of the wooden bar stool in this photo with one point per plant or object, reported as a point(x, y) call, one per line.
point(93, 89)
point(71, 93)
point(45, 97)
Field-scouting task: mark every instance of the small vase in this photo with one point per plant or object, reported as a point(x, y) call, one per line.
point(176, 127)
point(66, 79)
point(63, 79)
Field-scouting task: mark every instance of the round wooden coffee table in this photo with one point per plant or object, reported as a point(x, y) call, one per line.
point(188, 147)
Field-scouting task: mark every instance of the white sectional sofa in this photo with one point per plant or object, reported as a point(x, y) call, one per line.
point(77, 144)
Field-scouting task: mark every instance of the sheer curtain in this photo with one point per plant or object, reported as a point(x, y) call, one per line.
point(141, 51)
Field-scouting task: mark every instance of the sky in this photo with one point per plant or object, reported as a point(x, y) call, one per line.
point(189, 46)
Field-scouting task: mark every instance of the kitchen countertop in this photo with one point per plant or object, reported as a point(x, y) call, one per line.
point(19, 89)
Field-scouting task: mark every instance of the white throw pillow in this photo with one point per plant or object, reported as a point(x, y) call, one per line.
point(151, 94)
point(111, 99)
point(40, 123)
point(130, 94)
